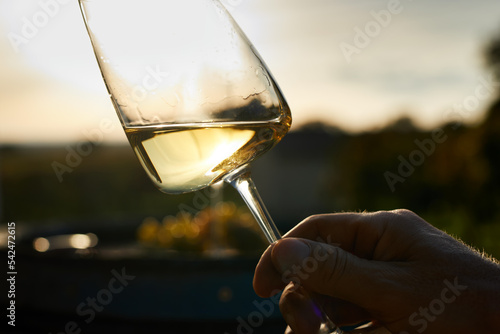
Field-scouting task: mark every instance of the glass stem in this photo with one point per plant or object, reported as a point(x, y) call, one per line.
point(240, 179)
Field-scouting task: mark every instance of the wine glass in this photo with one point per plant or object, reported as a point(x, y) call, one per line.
point(195, 99)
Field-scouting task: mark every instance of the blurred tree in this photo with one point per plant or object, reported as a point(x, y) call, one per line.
point(487, 207)
point(492, 55)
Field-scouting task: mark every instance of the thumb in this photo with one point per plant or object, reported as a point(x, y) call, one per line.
point(329, 270)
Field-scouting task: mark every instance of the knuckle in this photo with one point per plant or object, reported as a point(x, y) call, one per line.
point(398, 216)
point(405, 213)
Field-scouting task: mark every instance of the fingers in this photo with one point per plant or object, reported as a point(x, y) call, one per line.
point(370, 261)
point(302, 312)
point(331, 271)
point(359, 233)
point(341, 228)
point(382, 236)
point(333, 228)
point(343, 313)
point(267, 280)
point(299, 310)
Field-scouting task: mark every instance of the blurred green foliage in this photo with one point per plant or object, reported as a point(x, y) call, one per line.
point(455, 184)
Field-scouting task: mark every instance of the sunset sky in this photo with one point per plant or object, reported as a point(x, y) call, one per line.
point(417, 57)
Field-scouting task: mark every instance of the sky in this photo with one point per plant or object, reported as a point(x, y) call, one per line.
point(356, 64)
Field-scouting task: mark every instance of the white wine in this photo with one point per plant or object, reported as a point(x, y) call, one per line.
point(185, 157)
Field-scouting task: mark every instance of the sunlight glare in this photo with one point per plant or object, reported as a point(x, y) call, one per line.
point(171, 36)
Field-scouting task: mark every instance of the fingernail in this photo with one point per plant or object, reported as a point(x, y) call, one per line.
point(289, 252)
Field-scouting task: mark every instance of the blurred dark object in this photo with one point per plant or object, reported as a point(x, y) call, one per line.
point(116, 282)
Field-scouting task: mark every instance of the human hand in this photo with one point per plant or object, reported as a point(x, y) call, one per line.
point(390, 268)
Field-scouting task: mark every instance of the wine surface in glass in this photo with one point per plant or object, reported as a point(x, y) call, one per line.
point(185, 157)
